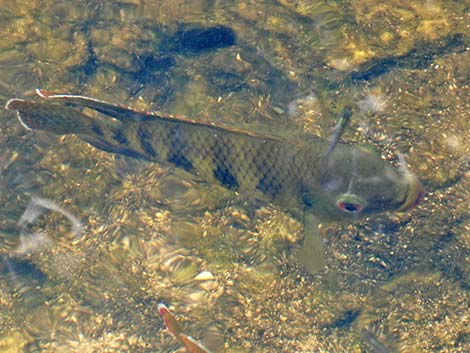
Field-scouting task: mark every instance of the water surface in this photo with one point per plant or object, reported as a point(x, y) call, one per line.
point(90, 242)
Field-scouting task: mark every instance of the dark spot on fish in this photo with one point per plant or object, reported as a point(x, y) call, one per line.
point(307, 200)
point(97, 130)
point(223, 175)
point(199, 40)
point(144, 139)
point(180, 161)
point(120, 138)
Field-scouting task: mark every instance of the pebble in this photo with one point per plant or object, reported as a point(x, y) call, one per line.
point(204, 276)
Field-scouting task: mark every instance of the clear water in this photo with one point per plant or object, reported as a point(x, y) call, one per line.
point(90, 242)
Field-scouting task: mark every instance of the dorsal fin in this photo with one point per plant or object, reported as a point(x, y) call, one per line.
point(119, 112)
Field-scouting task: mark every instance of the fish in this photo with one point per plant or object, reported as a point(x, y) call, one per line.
point(174, 328)
point(291, 173)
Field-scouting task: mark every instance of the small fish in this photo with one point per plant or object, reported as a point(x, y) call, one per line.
point(351, 183)
point(173, 327)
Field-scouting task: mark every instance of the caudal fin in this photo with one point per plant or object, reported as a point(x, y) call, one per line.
point(49, 116)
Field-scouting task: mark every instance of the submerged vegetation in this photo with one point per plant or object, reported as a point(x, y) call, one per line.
point(149, 234)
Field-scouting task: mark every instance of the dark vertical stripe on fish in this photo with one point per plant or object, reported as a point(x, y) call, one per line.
point(97, 130)
point(144, 140)
point(223, 175)
point(176, 148)
point(180, 161)
point(120, 138)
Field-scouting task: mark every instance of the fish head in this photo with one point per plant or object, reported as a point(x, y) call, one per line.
point(356, 182)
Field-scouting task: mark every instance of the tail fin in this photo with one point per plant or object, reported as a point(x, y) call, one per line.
point(49, 116)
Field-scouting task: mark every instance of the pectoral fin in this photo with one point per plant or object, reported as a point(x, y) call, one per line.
point(311, 255)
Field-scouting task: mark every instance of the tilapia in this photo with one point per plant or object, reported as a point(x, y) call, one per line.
point(292, 173)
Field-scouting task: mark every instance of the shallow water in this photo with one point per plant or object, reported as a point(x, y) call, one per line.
point(90, 242)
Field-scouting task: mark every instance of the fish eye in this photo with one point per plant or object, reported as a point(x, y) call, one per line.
point(350, 203)
point(350, 207)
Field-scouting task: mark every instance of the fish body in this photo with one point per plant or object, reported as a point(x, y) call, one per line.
point(294, 174)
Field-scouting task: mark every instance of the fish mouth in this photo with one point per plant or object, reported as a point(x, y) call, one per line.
point(415, 194)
